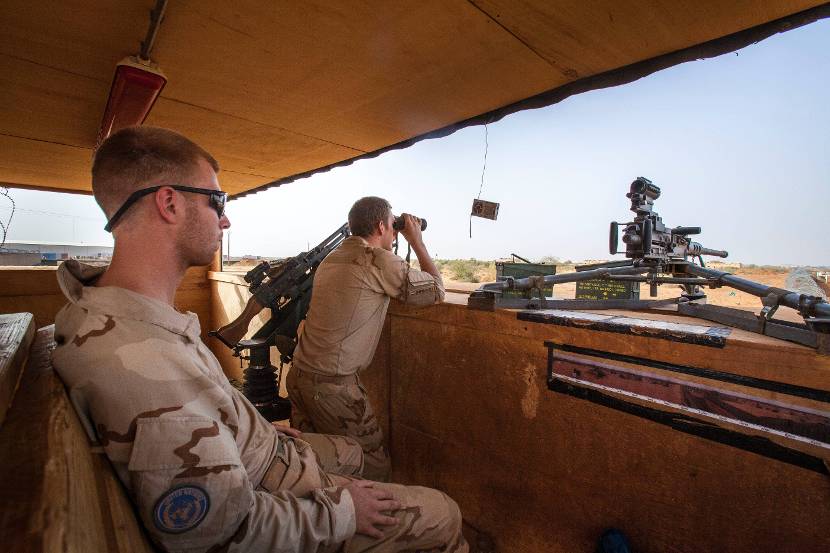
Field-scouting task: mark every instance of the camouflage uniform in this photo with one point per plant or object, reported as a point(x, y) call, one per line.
point(352, 288)
point(204, 469)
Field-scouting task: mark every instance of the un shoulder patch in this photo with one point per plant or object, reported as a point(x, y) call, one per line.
point(181, 509)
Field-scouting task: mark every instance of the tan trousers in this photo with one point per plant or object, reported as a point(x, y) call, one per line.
point(429, 521)
point(338, 405)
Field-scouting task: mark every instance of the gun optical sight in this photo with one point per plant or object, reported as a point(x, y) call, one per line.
point(642, 185)
point(399, 223)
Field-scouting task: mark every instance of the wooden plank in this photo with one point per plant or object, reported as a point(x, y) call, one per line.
point(745, 353)
point(44, 308)
point(583, 38)
point(395, 75)
point(21, 162)
point(16, 333)
point(194, 294)
point(28, 281)
point(251, 152)
point(36, 290)
point(82, 38)
point(376, 378)
point(31, 289)
point(51, 104)
point(56, 494)
point(229, 296)
point(709, 335)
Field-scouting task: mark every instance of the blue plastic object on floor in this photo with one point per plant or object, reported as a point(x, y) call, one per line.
point(613, 541)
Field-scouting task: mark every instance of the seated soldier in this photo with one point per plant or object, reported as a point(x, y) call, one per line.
point(352, 287)
point(203, 468)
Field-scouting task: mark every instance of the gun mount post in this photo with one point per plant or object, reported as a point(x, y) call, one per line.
point(261, 384)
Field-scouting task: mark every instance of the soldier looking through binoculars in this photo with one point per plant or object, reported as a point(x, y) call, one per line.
point(351, 294)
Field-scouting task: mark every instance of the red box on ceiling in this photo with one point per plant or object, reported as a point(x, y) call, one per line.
point(135, 88)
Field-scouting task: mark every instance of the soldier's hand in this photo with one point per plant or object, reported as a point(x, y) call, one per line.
point(293, 432)
point(371, 508)
point(412, 228)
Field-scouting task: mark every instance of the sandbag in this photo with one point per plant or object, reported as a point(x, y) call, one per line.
point(799, 280)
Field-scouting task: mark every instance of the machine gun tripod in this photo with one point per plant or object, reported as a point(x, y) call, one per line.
point(284, 287)
point(661, 255)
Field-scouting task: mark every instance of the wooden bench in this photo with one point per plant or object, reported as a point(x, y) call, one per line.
point(56, 493)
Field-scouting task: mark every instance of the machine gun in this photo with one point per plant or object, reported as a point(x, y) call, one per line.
point(661, 255)
point(284, 287)
point(648, 243)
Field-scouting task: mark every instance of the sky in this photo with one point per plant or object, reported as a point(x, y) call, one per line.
point(739, 145)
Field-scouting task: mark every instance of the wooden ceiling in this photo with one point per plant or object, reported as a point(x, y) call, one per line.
point(279, 89)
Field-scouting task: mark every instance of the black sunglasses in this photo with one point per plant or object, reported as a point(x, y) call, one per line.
point(218, 199)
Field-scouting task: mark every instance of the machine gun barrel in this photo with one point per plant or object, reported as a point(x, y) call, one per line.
point(714, 253)
point(696, 249)
point(534, 282)
point(794, 300)
point(659, 280)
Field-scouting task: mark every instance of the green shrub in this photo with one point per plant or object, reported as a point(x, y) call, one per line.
point(467, 270)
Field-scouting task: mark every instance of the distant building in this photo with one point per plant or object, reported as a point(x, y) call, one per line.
point(711, 263)
point(35, 252)
point(19, 259)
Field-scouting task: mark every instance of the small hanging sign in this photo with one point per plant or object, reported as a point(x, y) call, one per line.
point(485, 209)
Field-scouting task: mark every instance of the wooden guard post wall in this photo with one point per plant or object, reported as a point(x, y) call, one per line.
point(35, 290)
point(463, 401)
point(541, 471)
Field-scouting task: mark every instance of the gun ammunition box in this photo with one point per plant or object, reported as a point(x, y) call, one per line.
point(523, 270)
point(601, 289)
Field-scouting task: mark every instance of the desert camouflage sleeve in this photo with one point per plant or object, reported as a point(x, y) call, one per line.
point(400, 281)
point(193, 494)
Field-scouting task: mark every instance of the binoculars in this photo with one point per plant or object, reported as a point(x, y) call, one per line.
point(399, 223)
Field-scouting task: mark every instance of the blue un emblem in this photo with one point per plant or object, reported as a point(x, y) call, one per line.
point(181, 509)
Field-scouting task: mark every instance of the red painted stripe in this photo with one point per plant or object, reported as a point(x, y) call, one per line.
point(793, 419)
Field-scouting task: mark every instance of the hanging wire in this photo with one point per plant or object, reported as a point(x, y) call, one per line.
point(55, 213)
point(483, 170)
point(156, 16)
point(484, 167)
point(5, 227)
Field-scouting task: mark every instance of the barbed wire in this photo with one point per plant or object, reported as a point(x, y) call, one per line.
point(4, 227)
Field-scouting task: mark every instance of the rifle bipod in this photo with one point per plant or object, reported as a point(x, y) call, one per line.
point(262, 379)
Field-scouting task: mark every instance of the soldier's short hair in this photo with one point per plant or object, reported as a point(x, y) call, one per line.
point(135, 158)
point(366, 213)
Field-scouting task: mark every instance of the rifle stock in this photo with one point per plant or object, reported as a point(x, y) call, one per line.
point(234, 331)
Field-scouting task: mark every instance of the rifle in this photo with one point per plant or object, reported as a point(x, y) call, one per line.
point(285, 287)
point(661, 255)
